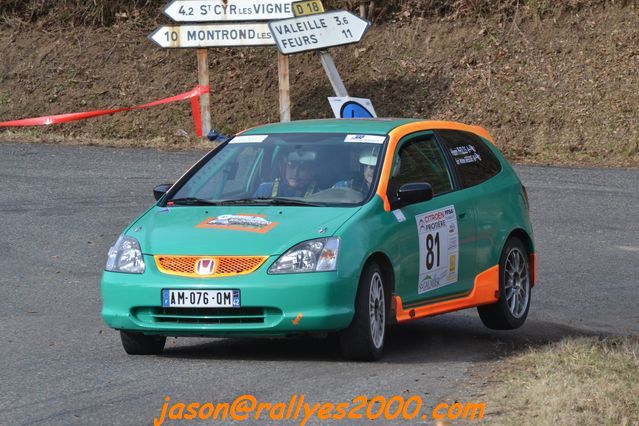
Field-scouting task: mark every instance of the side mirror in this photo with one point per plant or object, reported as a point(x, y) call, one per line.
point(160, 190)
point(411, 193)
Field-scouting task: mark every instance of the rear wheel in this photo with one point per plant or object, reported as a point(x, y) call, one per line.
point(511, 310)
point(364, 338)
point(140, 344)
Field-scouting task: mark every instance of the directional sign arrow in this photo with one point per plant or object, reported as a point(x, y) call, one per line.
point(239, 34)
point(316, 32)
point(228, 10)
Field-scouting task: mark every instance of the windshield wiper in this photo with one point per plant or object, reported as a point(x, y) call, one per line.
point(261, 201)
point(277, 201)
point(192, 201)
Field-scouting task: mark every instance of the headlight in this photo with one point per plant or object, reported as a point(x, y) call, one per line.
point(125, 256)
point(309, 256)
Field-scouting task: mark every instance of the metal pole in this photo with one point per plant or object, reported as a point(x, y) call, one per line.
point(362, 8)
point(205, 99)
point(285, 92)
point(333, 74)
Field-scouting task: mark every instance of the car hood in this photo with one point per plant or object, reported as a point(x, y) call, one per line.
point(234, 230)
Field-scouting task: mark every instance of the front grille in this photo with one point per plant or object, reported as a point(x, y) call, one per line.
point(224, 265)
point(206, 315)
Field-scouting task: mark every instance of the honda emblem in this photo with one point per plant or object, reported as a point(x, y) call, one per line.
point(205, 266)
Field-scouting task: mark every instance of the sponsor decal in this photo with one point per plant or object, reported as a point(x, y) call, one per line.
point(365, 138)
point(249, 139)
point(399, 215)
point(239, 222)
point(438, 249)
point(465, 154)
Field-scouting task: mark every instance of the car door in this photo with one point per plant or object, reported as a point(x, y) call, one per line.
point(477, 169)
point(436, 237)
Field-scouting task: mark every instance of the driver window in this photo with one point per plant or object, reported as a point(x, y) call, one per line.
point(420, 160)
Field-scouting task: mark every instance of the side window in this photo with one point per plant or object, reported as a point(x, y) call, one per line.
point(474, 161)
point(420, 160)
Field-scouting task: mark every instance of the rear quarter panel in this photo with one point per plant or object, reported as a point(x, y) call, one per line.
point(500, 210)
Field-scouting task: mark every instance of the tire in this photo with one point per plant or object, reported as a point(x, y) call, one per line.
point(139, 344)
point(511, 310)
point(364, 338)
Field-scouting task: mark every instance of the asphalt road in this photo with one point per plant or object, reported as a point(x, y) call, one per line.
point(62, 207)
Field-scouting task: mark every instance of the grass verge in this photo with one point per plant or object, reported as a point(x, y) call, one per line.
point(576, 381)
point(171, 143)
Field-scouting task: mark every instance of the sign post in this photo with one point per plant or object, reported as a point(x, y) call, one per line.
point(347, 107)
point(333, 74)
point(240, 34)
point(317, 32)
point(205, 98)
point(284, 85)
point(228, 10)
point(313, 29)
point(214, 23)
point(313, 7)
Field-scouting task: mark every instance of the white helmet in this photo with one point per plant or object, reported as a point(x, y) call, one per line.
point(368, 157)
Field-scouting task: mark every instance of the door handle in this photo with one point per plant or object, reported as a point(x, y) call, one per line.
point(462, 215)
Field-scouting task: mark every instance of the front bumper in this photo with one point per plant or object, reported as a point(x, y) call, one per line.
point(270, 304)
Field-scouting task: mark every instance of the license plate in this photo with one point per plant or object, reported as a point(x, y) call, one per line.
point(200, 298)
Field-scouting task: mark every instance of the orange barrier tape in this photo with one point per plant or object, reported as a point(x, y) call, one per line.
point(65, 118)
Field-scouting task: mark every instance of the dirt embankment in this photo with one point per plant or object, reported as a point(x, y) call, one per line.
point(561, 88)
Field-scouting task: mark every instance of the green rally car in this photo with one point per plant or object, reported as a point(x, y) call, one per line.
point(326, 226)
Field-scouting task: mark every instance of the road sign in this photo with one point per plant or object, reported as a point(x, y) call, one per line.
point(320, 31)
point(307, 7)
point(228, 10)
point(239, 34)
point(352, 107)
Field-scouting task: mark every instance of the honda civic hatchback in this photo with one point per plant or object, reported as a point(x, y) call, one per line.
point(327, 227)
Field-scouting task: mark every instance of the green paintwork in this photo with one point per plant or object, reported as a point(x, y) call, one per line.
point(359, 125)
point(325, 300)
point(173, 230)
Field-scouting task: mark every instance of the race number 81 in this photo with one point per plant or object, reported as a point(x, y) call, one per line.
point(432, 244)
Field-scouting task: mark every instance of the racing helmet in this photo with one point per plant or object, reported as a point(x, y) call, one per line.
point(368, 157)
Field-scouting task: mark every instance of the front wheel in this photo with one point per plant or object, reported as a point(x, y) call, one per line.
point(511, 310)
point(364, 337)
point(140, 344)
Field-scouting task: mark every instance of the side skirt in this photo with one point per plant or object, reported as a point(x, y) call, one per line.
point(485, 291)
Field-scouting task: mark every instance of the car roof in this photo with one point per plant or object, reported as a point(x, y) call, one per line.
point(376, 126)
point(371, 126)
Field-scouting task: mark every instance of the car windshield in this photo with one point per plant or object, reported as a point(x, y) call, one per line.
point(314, 169)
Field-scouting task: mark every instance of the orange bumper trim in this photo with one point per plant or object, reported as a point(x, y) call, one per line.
point(485, 291)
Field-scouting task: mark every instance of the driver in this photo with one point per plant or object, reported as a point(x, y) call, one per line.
point(297, 177)
point(363, 182)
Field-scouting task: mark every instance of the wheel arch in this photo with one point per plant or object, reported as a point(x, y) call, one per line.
point(524, 237)
point(527, 240)
point(388, 274)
